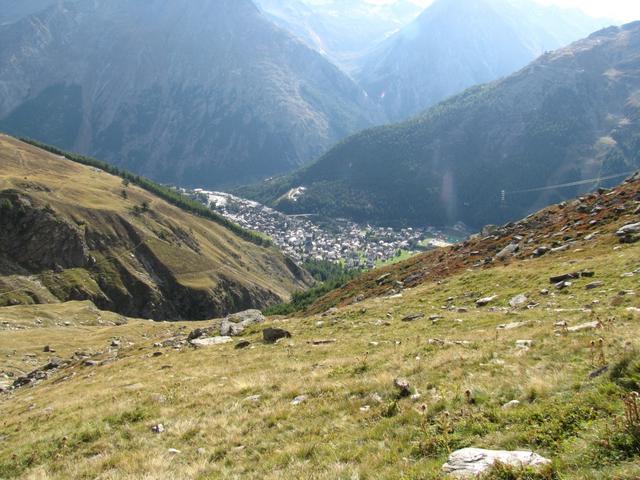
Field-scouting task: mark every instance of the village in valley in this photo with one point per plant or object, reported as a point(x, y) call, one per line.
point(303, 238)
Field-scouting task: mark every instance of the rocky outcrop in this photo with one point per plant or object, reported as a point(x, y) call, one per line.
point(36, 238)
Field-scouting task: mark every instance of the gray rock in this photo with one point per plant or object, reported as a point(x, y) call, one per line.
point(629, 229)
point(272, 335)
point(486, 300)
point(413, 317)
point(507, 251)
point(585, 326)
point(473, 462)
point(518, 300)
point(242, 345)
point(237, 323)
point(594, 285)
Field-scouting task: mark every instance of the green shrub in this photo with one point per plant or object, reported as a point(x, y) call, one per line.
point(626, 372)
point(500, 471)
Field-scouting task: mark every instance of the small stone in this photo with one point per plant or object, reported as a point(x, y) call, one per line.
point(413, 317)
point(159, 428)
point(157, 354)
point(594, 285)
point(524, 344)
point(115, 343)
point(242, 345)
point(174, 451)
point(253, 398)
point(511, 404)
point(91, 363)
point(299, 399)
point(562, 285)
point(486, 301)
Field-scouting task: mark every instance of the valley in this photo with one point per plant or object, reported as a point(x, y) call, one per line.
point(305, 238)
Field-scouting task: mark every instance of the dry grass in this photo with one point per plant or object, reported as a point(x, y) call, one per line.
point(97, 423)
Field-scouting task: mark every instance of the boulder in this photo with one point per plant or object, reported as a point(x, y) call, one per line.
point(272, 335)
point(472, 462)
point(237, 323)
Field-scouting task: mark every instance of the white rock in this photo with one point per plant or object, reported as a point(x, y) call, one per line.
point(210, 341)
point(524, 343)
point(472, 462)
point(584, 326)
point(174, 451)
point(512, 326)
point(511, 404)
point(299, 399)
point(628, 229)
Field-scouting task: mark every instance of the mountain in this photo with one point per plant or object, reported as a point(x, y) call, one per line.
point(12, 11)
point(75, 232)
point(572, 115)
point(204, 93)
point(343, 30)
point(455, 44)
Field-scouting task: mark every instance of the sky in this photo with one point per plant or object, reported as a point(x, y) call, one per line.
point(620, 10)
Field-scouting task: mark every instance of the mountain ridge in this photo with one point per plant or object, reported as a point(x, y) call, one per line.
point(568, 116)
point(215, 85)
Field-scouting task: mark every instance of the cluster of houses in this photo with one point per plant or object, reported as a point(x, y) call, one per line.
point(302, 239)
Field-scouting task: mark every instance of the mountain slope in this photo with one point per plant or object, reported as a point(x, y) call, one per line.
point(553, 373)
point(455, 44)
point(577, 225)
point(73, 232)
point(198, 93)
point(571, 115)
point(343, 30)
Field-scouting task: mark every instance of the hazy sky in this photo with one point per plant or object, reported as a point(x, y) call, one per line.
point(621, 10)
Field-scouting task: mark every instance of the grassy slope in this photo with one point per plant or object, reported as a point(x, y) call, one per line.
point(94, 197)
point(98, 422)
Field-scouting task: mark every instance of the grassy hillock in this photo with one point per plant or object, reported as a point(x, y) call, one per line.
point(229, 413)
